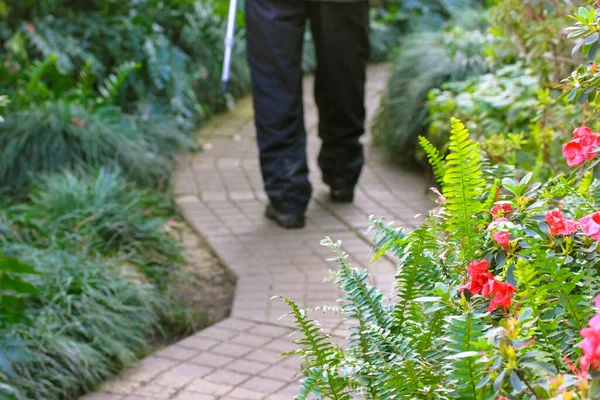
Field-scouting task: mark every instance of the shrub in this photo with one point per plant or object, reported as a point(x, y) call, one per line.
point(514, 118)
point(453, 54)
point(491, 294)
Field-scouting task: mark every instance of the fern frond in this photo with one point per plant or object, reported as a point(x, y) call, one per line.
point(416, 276)
point(309, 385)
point(359, 293)
point(465, 369)
point(322, 356)
point(386, 238)
point(463, 184)
point(110, 87)
point(435, 158)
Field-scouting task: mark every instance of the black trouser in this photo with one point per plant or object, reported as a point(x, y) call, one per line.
point(275, 31)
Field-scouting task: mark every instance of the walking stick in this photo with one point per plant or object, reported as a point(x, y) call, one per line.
point(228, 44)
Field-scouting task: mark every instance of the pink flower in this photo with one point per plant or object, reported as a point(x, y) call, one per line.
point(591, 343)
point(582, 131)
point(501, 209)
point(560, 225)
point(591, 225)
point(502, 238)
point(581, 147)
point(501, 292)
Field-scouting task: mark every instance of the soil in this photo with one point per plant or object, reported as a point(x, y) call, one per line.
point(204, 284)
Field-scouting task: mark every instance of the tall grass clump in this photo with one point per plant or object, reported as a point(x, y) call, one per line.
point(101, 215)
point(86, 322)
point(58, 135)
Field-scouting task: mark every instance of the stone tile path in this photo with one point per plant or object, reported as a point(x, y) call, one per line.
point(220, 194)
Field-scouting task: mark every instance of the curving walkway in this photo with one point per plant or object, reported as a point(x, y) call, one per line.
point(219, 192)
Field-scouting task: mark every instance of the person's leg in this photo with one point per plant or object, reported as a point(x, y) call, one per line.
point(341, 36)
point(275, 31)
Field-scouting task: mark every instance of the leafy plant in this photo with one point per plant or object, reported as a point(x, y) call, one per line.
point(103, 215)
point(13, 290)
point(490, 302)
point(453, 54)
point(86, 323)
point(516, 121)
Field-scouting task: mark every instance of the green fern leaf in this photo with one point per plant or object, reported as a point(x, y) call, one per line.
point(416, 276)
point(463, 185)
point(465, 369)
point(322, 356)
point(435, 158)
point(110, 87)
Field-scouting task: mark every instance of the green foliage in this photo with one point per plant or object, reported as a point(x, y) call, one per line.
point(463, 332)
point(535, 28)
point(58, 135)
point(583, 83)
point(442, 339)
point(453, 54)
point(86, 323)
point(103, 215)
point(435, 159)
point(515, 120)
point(104, 291)
point(12, 290)
point(463, 183)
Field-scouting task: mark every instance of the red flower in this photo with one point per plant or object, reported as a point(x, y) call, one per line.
point(560, 225)
point(591, 225)
point(581, 147)
point(501, 209)
point(478, 272)
point(591, 343)
point(479, 283)
point(501, 292)
point(478, 267)
point(30, 27)
point(502, 238)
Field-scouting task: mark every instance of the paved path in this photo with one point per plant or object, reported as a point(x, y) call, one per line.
point(220, 194)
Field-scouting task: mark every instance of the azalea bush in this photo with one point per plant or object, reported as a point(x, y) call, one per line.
point(495, 293)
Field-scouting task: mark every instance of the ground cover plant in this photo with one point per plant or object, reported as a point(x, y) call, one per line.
point(101, 295)
point(497, 293)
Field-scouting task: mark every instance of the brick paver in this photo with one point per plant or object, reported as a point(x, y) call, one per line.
point(220, 194)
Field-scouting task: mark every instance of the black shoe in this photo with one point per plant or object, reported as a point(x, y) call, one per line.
point(287, 221)
point(344, 195)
